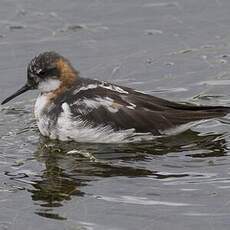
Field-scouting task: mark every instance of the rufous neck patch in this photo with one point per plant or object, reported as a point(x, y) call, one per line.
point(67, 76)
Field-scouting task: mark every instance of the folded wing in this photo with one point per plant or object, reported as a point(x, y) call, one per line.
point(123, 108)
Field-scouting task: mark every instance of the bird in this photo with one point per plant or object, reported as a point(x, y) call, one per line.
point(72, 108)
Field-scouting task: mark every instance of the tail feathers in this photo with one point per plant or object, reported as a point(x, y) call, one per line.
point(196, 113)
point(208, 111)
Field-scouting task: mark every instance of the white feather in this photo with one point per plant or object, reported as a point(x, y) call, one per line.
point(113, 88)
point(49, 85)
point(106, 102)
point(102, 85)
point(83, 88)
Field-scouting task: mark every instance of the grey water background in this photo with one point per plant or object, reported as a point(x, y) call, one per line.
point(178, 50)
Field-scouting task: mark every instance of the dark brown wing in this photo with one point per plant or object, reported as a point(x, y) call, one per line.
point(124, 108)
point(100, 103)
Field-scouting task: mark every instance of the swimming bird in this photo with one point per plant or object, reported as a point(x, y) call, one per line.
point(70, 107)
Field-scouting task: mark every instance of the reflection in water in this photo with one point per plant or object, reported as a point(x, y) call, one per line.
point(71, 166)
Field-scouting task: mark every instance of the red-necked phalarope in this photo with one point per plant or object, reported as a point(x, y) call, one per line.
point(73, 108)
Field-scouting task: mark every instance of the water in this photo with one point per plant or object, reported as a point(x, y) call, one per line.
point(178, 50)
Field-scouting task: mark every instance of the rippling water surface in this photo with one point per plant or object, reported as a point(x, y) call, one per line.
point(178, 50)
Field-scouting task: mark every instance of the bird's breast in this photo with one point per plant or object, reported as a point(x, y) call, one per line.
point(42, 105)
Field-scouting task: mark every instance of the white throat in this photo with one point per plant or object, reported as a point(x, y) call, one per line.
point(49, 85)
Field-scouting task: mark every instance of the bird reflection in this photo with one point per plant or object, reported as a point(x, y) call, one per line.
point(71, 166)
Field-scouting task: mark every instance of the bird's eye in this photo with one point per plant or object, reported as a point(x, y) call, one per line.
point(48, 72)
point(42, 72)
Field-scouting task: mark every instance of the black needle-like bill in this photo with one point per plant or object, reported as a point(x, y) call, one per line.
point(20, 91)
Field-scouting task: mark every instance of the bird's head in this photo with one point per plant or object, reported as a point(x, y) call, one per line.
point(47, 72)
